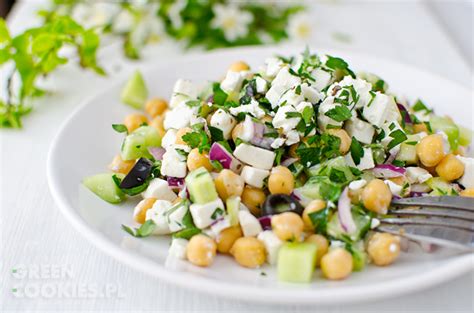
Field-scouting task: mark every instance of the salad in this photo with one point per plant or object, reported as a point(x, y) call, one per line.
point(290, 164)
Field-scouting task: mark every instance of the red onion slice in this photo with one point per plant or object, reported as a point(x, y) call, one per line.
point(404, 113)
point(157, 152)
point(266, 222)
point(344, 212)
point(289, 161)
point(219, 153)
point(388, 171)
point(175, 181)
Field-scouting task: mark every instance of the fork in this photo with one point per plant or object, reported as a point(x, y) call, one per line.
point(446, 221)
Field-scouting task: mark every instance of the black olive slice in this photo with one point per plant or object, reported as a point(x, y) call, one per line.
point(279, 203)
point(138, 174)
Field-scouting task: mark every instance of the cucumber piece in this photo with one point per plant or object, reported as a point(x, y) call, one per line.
point(362, 222)
point(325, 168)
point(447, 126)
point(104, 186)
point(233, 205)
point(465, 136)
point(440, 187)
point(135, 91)
point(201, 186)
point(320, 187)
point(296, 262)
point(136, 144)
point(359, 258)
point(407, 151)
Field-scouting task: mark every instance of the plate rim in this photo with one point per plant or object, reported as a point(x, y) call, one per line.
point(351, 294)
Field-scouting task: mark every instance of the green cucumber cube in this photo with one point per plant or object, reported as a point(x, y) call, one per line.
point(233, 205)
point(136, 144)
point(296, 262)
point(362, 222)
point(135, 92)
point(201, 186)
point(104, 186)
point(447, 126)
point(440, 187)
point(465, 136)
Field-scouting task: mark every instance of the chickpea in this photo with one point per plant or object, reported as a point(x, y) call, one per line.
point(253, 199)
point(249, 252)
point(344, 137)
point(135, 120)
point(227, 237)
point(468, 192)
point(287, 226)
point(229, 184)
point(196, 160)
point(118, 165)
point(337, 264)
point(239, 66)
point(237, 131)
point(180, 133)
point(450, 168)
point(383, 248)
point(201, 250)
point(313, 206)
point(322, 245)
point(155, 107)
point(418, 128)
point(157, 123)
point(139, 214)
point(281, 180)
point(376, 196)
point(430, 150)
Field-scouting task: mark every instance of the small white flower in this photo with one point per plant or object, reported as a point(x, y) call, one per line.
point(148, 29)
point(299, 27)
point(233, 21)
point(96, 15)
point(174, 13)
point(124, 22)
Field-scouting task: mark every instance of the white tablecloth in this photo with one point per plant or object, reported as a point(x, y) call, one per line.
point(35, 234)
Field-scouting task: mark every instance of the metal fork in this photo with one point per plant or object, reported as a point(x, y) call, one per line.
point(446, 221)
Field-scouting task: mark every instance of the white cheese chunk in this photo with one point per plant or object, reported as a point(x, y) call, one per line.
point(220, 225)
point(322, 78)
point(394, 188)
point(277, 143)
point(467, 180)
point(159, 189)
point(282, 121)
point(366, 162)
point(376, 112)
point(272, 245)
point(273, 66)
point(323, 120)
point(178, 248)
point(285, 79)
point(255, 156)
point(417, 175)
point(250, 225)
point(357, 184)
point(254, 176)
point(361, 87)
point(179, 117)
point(173, 163)
point(261, 85)
point(157, 213)
point(169, 138)
point(292, 137)
point(252, 108)
point(175, 218)
point(389, 128)
point(224, 121)
point(310, 94)
point(232, 82)
point(274, 94)
point(291, 97)
point(360, 130)
point(204, 214)
point(183, 90)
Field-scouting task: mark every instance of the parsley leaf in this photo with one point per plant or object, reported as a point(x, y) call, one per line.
point(420, 106)
point(357, 152)
point(340, 113)
point(145, 230)
point(216, 133)
point(335, 64)
point(120, 128)
point(318, 149)
point(319, 220)
point(219, 95)
point(398, 137)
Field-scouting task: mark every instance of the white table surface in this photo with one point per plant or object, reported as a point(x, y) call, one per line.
point(34, 233)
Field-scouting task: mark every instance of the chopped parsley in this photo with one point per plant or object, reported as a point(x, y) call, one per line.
point(318, 149)
point(218, 212)
point(145, 230)
point(216, 133)
point(339, 64)
point(219, 95)
point(357, 152)
point(398, 137)
point(340, 113)
point(420, 106)
point(120, 128)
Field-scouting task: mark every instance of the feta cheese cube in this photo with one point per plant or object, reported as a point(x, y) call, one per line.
point(366, 162)
point(220, 225)
point(272, 245)
point(159, 189)
point(282, 121)
point(292, 137)
point(394, 188)
point(250, 225)
point(205, 214)
point(157, 213)
point(323, 120)
point(389, 128)
point(310, 94)
point(323, 79)
point(417, 175)
point(183, 90)
point(393, 113)
point(178, 248)
point(361, 87)
point(273, 66)
point(169, 138)
point(274, 94)
point(285, 79)
point(224, 121)
point(376, 112)
point(290, 97)
point(277, 143)
point(252, 108)
point(254, 176)
point(179, 117)
point(467, 180)
point(360, 130)
point(255, 156)
point(261, 85)
point(175, 218)
point(173, 163)
point(232, 82)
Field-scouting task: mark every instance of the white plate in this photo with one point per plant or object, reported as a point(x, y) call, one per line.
point(86, 143)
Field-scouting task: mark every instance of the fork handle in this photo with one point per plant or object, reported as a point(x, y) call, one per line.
point(450, 202)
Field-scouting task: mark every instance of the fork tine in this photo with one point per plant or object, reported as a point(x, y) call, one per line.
point(433, 212)
point(449, 202)
point(442, 236)
point(435, 222)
